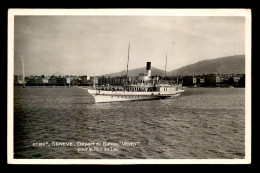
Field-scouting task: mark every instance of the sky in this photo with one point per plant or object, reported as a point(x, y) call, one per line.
point(96, 45)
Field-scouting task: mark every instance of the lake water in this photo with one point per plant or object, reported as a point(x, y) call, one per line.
point(203, 123)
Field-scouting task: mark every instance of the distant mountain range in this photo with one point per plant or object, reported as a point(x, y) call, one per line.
point(136, 72)
point(224, 65)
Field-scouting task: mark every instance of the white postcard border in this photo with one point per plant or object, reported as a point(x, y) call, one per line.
point(129, 12)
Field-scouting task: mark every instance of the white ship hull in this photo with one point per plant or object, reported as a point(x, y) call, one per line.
point(116, 96)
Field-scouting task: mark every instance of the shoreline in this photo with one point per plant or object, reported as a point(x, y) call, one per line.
point(91, 87)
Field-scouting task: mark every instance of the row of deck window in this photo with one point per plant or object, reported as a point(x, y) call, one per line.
point(129, 96)
point(139, 89)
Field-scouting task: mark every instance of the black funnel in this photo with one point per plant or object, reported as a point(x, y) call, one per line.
point(148, 66)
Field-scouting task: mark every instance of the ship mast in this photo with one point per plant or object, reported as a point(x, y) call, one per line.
point(165, 67)
point(94, 82)
point(127, 63)
point(23, 70)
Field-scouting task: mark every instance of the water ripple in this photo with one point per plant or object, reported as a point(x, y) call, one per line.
point(203, 123)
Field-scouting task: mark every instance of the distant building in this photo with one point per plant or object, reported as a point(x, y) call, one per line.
point(189, 81)
point(116, 80)
point(73, 82)
point(45, 80)
point(52, 80)
point(201, 82)
point(61, 81)
point(212, 79)
point(236, 79)
point(101, 80)
point(220, 80)
point(109, 80)
point(241, 82)
point(38, 80)
point(85, 80)
point(68, 80)
point(94, 79)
